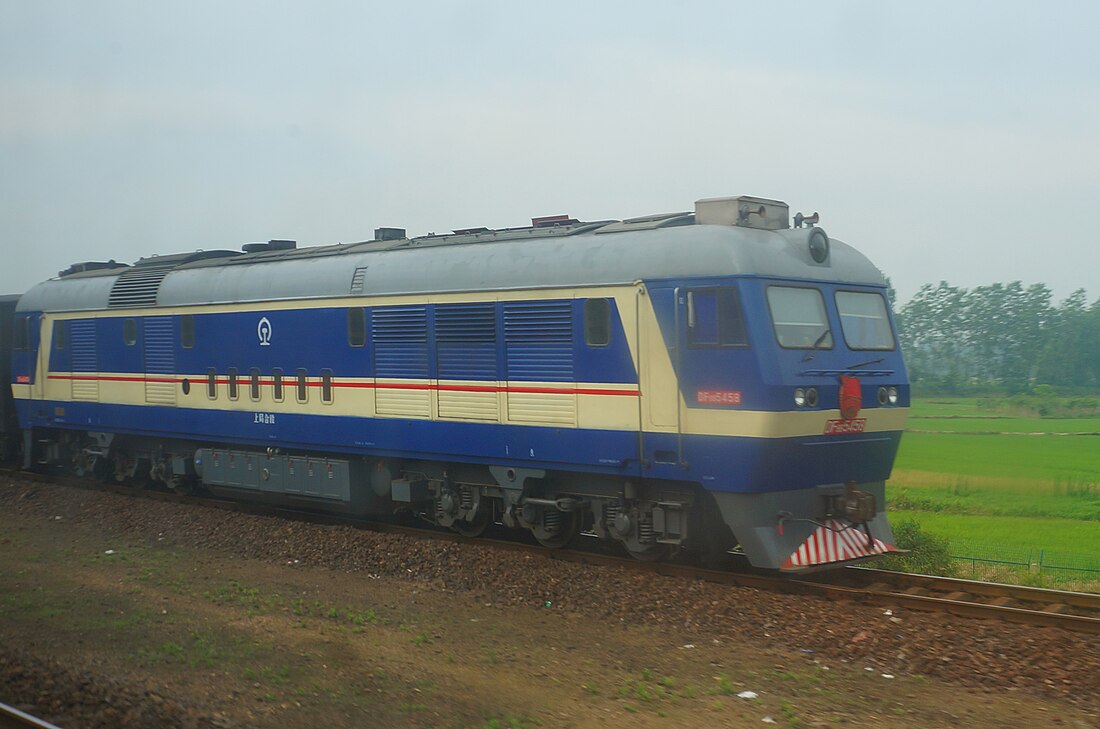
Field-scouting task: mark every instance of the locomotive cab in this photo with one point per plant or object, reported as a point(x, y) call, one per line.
point(793, 393)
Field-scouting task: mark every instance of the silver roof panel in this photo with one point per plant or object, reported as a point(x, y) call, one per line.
point(587, 255)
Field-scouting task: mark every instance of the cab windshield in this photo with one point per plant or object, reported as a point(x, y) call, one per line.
point(798, 317)
point(864, 320)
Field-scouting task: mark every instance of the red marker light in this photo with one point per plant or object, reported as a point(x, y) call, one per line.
point(851, 397)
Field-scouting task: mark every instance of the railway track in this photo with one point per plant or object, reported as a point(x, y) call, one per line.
point(1077, 611)
point(1073, 611)
point(13, 718)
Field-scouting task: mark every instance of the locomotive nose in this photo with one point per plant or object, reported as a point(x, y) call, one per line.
point(851, 397)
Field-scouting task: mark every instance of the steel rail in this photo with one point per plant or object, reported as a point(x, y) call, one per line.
point(917, 584)
point(13, 718)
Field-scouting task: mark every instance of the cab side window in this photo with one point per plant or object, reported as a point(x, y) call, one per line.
point(715, 318)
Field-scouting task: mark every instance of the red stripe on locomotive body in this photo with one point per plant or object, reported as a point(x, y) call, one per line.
point(291, 381)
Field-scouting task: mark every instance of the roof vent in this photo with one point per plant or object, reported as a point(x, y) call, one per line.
point(138, 286)
point(91, 266)
point(389, 233)
point(747, 212)
point(552, 221)
point(271, 245)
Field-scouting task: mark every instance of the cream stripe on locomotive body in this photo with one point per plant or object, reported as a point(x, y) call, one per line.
point(651, 437)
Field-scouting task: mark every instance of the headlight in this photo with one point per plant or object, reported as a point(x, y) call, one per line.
point(819, 245)
point(811, 397)
point(892, 395)
point(883, 396)
point(799, 397)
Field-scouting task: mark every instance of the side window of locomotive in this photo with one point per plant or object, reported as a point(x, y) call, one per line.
point(357, 327)
point(326, 386)
point(715, 318)
point(254, 383)
point(187, 331)
point(21, 336)
point(231, 376)
point(58, 335)
point(211, 383)
point(597, 322)
point(129, 332)
point(864, 320)
point(303, 386)
point(798, 317)
point(277, 384)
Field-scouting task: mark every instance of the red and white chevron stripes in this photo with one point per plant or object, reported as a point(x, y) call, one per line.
point(833, 542)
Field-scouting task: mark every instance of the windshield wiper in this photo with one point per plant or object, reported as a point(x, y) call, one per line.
point(816, 345)
point(868, 362)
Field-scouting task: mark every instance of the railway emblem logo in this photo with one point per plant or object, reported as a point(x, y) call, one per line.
point(263, 331)
point(851, 397)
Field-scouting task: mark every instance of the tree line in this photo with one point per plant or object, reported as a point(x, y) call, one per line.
point(1003, 336)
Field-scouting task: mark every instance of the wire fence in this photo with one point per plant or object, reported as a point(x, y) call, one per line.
point(994, 562)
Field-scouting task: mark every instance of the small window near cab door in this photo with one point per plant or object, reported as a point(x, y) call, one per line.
point(187, 331)
point(597, 322)
point(357, 327)
point(22, 334)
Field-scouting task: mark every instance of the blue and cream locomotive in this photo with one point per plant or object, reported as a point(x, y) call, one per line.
point(701, 381)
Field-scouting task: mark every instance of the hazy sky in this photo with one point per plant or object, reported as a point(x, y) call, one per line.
point(949, 140)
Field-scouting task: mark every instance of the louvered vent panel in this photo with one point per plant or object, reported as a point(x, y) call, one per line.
point(400, 338)
point(137, 287)
point(160, 359)
point(358, 279)
point(404, 403)
point(83, 349)
point(542, 408)
point(462, 405)
point(465, 336)
point(538, 339)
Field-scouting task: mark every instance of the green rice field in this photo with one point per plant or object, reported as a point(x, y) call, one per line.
point(1004, 488)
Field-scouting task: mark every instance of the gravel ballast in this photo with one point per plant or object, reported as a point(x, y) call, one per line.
point(964, 652)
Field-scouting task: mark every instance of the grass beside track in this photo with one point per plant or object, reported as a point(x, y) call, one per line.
point(1015, 535)
point(1042, 459)
point(1002, 485)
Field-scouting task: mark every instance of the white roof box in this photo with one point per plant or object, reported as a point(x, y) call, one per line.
point(748, 212)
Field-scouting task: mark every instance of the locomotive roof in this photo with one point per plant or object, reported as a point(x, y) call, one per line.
point(670, 246)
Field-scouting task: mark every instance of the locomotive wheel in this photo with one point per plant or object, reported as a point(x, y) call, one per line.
point(568, 529)
point(650, 552)
point(482, 519)
point(182, 485)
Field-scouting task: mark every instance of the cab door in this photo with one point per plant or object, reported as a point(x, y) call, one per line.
point(658, 350)
point(716, 366)
point(40, 352)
